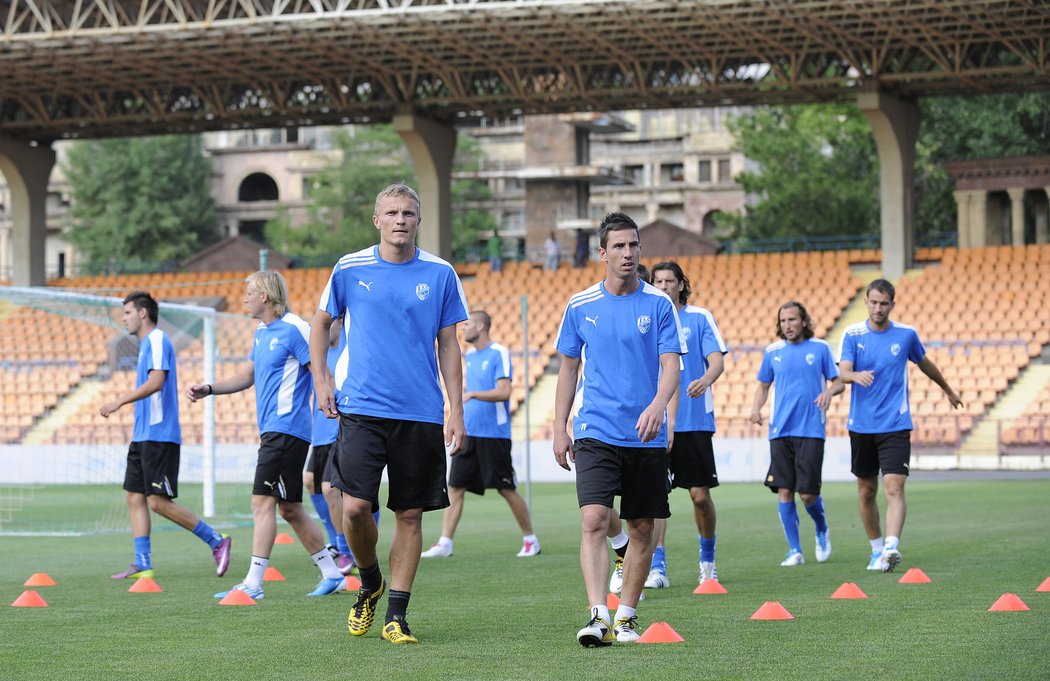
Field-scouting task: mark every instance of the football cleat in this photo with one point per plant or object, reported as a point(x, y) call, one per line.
point(708, 571)
point(625, 629)
point(255, 592)
point(891, 558)
point(345, 564)
point(221, 553)
point(597, 632)
point(133, 572)
point(328, 586)
point(823, 546)
point(793, 558)
point(437, 551)
point(529, 549)
point(396, 631)
point(657, 580)
point(361, 616)
point(876, 564)
point(616, 580)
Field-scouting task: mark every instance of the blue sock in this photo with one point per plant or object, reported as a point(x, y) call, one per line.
point(143, 559)
point(707, 548)
point(659, 560)
point(789, 519)
point(375, 517)
point(340, 543)
point(321, 506)
point(207, 534)
point(816, 511)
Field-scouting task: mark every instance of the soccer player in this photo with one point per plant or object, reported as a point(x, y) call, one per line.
point(485, 461)
point(631, 338)
point(873, 357)
point(802, 367)
point(279, 360)
point(400, 300)
point(151, 480)
point(692, 455)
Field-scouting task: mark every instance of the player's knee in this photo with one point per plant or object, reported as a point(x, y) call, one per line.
point(356, 509)
point(595, 519)
point(157, 502)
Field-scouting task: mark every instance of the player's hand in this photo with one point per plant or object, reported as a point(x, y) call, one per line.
point(954, 398)
point(649, 423)
point(756, 418)
point(109, 407)
point(696, 388)
point(670, 439)
point(563, 453)
point(823, 400)
point(467, 397)
point(864, 378)
point(198, 391)
point(325, 395)
point(455, 433)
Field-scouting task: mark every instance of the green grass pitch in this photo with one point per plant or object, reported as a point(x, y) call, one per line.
point(485, 614)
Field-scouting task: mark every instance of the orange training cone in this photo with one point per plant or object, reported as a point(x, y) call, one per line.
point(272, 574)
point(353, 583)
point(660, 632)
point(39, 579)
point(711, 586)
point(914, 576)
point(237, 597)
point(283, 538)
point(145, 585)
point(612, 601)
point(772, 610)
point(29, 599)
point(849, 590)
point(1008, 602)
point(1045, 586)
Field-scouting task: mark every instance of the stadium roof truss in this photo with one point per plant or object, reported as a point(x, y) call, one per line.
point(92, 68)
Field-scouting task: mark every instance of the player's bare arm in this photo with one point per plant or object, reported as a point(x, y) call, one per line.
point(927, 367)
point(568, 377)
point(652, 417)
point(242, 380)
point(761, 395)
point(823, 400)
point(152, 384)
point(715, 367)
point(848, 375)
point(450, 362)
point(324, 385)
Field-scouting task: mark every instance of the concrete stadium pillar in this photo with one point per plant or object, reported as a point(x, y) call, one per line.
point(5, 261)
point(895, 124)
point(979, 219)
point(1042, 221)
point(432, 146)
point(27, 169)
point(1016, 215)
point(962, 220)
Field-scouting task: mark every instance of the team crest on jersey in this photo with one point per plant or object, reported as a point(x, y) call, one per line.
point(422, 291)
point(686, 332)
point(644, 322)
point(810, 358)
point(273, 344)
point(895, 349)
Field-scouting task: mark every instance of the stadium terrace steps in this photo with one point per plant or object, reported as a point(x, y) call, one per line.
point(86, 392)
point(982, 441)
point(855, 311)
point(541, 408)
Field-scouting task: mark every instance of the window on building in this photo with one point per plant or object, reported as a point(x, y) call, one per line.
point(705, 170)
point(724, 175)
point(672, 172)
point(635, 173)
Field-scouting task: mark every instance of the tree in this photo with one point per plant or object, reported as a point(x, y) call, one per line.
point(817, 172)
point(469, 219)
point(339, 219)
point(140, 201)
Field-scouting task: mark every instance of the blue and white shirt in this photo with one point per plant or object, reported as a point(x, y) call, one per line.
point(485, 367)
point(701, 338)
point(883, 407)
point(396, 311)
point(620, 340)
point(801, 372)
point(157, 416)
point(281, 358)
point(326, 430)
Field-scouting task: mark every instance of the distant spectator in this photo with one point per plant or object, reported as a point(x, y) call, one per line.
point(552, 252)
point(495, 248)
point(582, 253)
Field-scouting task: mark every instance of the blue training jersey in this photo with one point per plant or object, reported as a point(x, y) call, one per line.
point(883, 407)
point(485, 367)
point(157, 416)
point(395, 312)
point(800, 372)
point(701, 339)
point(281, 358)
point(326, 430)
point(620, 340)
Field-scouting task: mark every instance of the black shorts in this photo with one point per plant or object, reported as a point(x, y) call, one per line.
point(890, 452)
point(795, 463)
point(318, 464)
point(279, 470)
point(693, 460)
point(484, 463)
point(413, 452)
point(637, 474)
point(153, 468)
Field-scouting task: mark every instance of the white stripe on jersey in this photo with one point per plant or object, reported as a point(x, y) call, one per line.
point(156, 346)
point(287, 389)
point(430, 257)
point(363, 257)
point(858, 329)
point(710, 322)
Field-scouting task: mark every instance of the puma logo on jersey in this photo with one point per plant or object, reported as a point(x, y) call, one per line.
point(368, 286)
point(592, 320)
point(860, 346)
